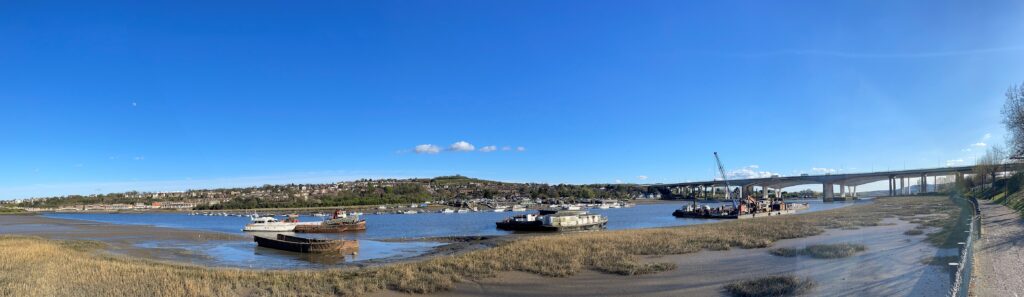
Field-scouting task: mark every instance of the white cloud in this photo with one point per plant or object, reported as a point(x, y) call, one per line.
point(748, 172)
point(979, 144)
point(618, 181)
point(427, 149)
point(954, 162)
point(506, 148)
point(488, 149)
point(823, 170)
point(641, 177)
point(462, 146)
point(520, 149)
point(139, 158)
point(986, 136)
point(966, 150)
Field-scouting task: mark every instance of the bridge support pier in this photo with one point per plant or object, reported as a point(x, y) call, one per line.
point(892, 186)
point(826, 192)
point(924, 183)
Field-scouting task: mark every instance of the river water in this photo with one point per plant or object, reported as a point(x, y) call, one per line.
point(379, 227)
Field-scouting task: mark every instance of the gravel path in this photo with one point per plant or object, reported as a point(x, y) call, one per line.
point(1000, 252)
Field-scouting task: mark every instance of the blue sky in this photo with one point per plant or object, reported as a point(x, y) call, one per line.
point(170, 95)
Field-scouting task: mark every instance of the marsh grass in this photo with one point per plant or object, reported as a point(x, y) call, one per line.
point(783, 285)
point(31, 266)
point(914, 232)
point(9, 211)
point(822, 251)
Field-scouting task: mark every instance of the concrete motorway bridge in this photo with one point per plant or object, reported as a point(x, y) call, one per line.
point(899, 182)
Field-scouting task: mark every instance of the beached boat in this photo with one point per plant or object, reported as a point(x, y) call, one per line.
point(306, 245)
point(447, 210)
point(462, 210)
point(518, 208)
point(339, 222)
point(554, 221)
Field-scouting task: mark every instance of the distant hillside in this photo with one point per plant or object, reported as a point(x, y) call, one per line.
point(359, 192)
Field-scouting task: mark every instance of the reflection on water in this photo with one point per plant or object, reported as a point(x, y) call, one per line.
point(386, 226)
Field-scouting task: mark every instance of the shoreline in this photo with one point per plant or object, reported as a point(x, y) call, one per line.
point(666, 260)
point(124, 239)
point(363, 208)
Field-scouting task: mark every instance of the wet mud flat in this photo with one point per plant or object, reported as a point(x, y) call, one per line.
point(894, 264)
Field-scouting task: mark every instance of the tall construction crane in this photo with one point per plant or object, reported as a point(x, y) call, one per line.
point(721, 169)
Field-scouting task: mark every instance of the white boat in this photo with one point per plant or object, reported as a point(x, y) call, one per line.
point(462, 210)
point(571, 207)
point(355, 213)
point(499, 209)
point(603, 206)
point(269, 224)
point(319, 214)
point(410, 212)
point(448, 210)
point(519, 208)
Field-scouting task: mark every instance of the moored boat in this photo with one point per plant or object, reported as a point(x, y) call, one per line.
point(747, 209)
point(306, 245)
point(554, 221)
point(339, 222)
point(270, 224)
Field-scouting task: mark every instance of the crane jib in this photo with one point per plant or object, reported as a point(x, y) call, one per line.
point(721, 169)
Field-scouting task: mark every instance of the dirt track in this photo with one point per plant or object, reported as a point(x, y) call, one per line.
point(1000, 252)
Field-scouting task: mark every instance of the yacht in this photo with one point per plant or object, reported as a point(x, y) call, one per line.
point(270, 224)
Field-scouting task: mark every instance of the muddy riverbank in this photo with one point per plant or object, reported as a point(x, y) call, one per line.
point(892, 265)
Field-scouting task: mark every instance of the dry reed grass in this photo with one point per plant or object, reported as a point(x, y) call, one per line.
point(32, 266)
point(770, 286)
point(822, 251)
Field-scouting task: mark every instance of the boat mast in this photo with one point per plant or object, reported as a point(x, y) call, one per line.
point(721, 170)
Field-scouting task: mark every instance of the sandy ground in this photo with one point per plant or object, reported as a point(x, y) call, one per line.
point(892, 266)
point(120, 238)
point(1000, 252)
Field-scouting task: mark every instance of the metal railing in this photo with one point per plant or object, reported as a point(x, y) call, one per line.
point(965, 265)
